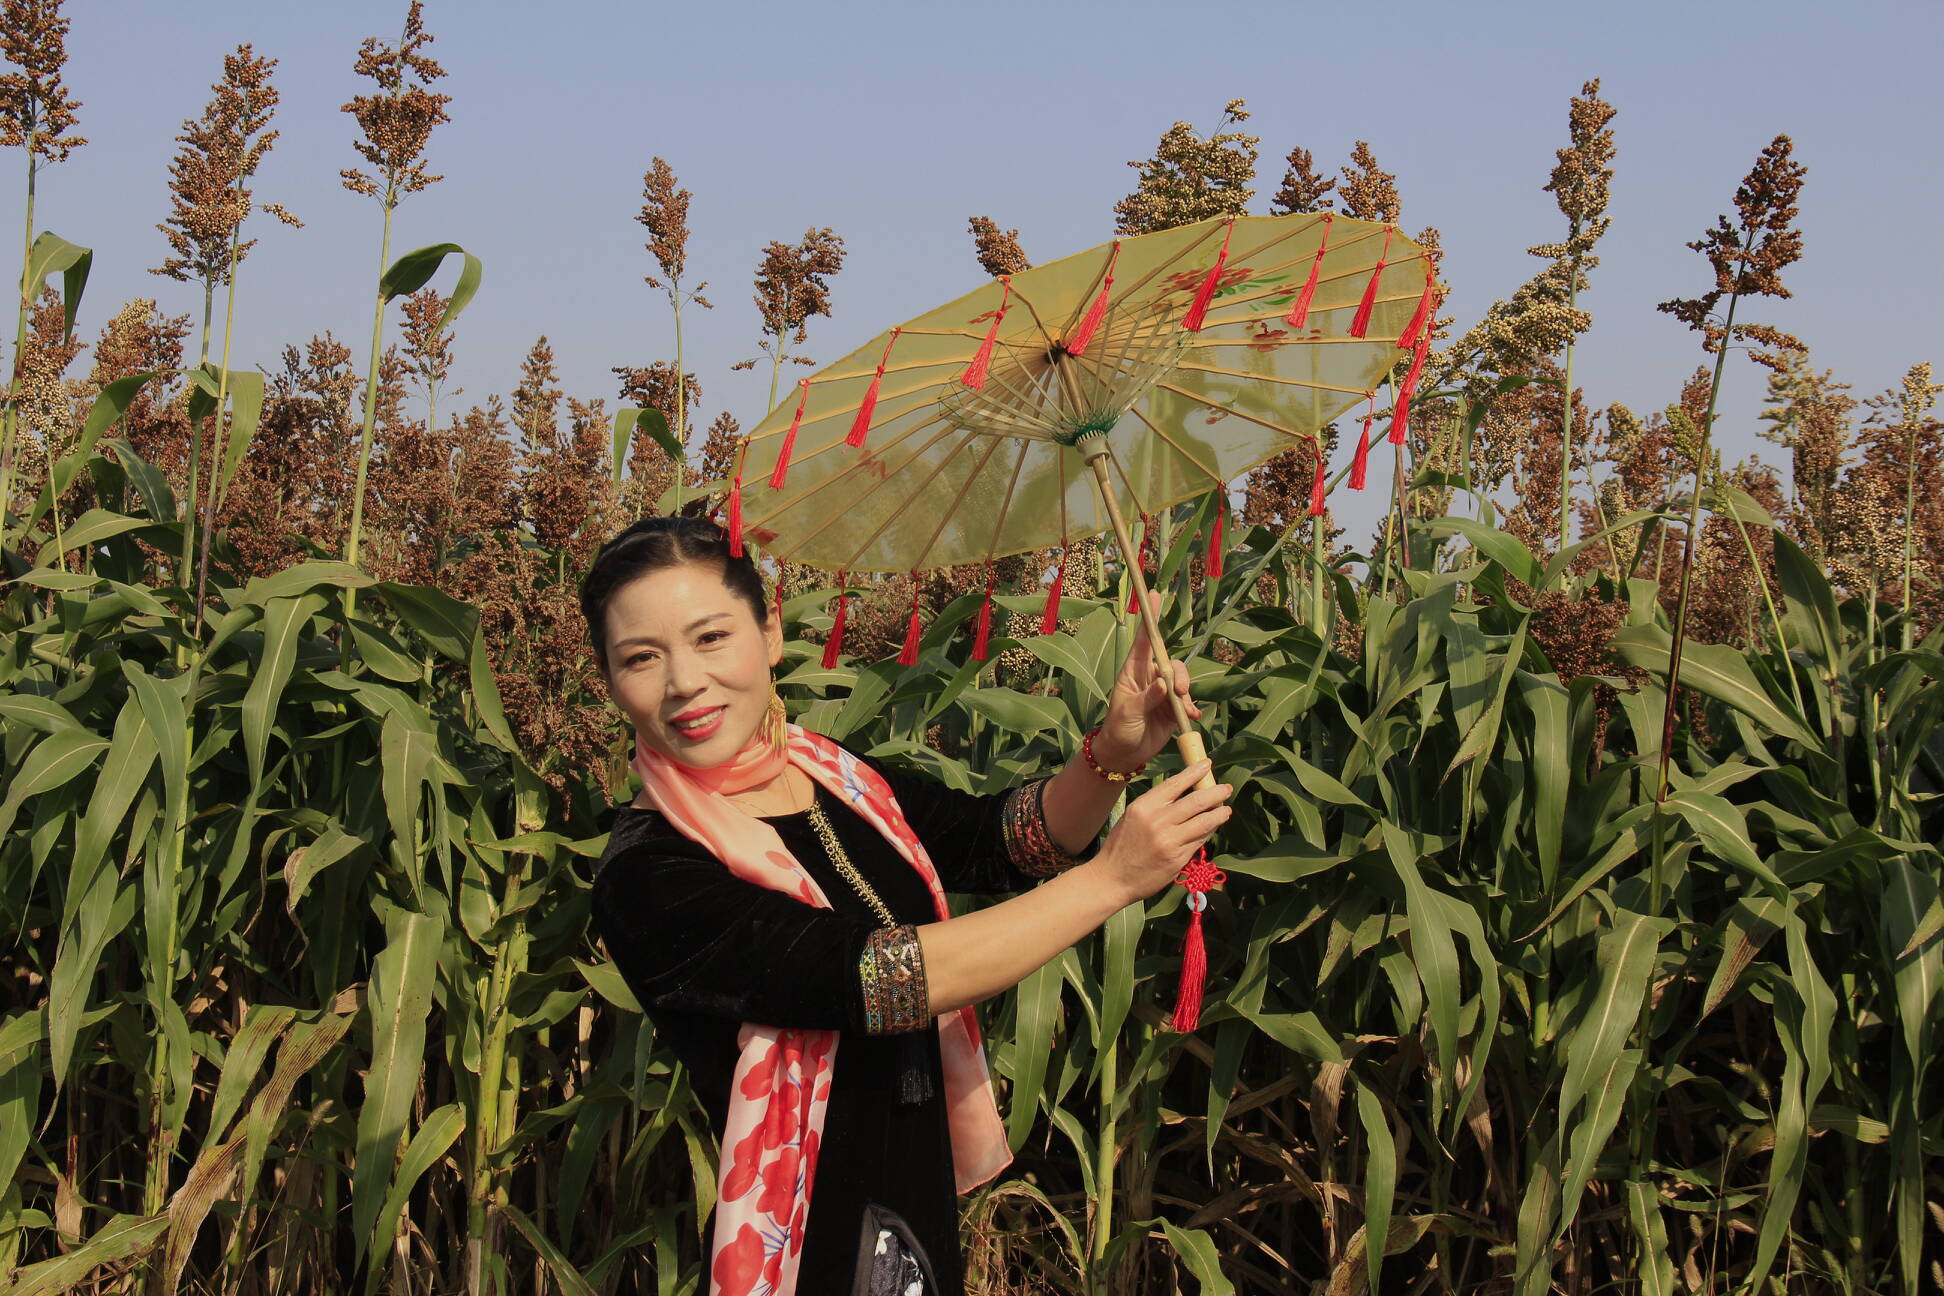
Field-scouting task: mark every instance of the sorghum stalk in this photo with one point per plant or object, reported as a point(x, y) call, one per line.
point(222, 401)
point(681, 395)
point(1687, 573)
point(1103, 1216)
point(1566, 418)
point(370, 398)
point(1918, 395)
point(9, 428)
point(1319, 605)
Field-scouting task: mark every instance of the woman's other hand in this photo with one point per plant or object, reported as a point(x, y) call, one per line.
point(1161, 831)
point(1140, 719)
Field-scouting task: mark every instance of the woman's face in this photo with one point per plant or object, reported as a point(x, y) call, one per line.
point(689, 664)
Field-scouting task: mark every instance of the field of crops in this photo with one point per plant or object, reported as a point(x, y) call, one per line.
point(1583, 929)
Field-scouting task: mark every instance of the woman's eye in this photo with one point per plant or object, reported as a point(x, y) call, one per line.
point(713, 635)
point(641, 659)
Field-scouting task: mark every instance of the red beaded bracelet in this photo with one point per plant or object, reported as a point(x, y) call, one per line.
point(1112, 776)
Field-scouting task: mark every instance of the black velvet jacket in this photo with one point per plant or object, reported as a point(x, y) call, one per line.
point(705, 951)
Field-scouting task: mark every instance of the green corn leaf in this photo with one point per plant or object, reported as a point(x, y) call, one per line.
point(1626, 960)
point(1119, 937)
point(441, 620)
point(1498, 546)
point(1723, 829)
point(627, 421)
point(1812, 605)
point(429, 1143)
point(606, 981)
point(52, 254)
point(20, 1082)
point(1017, 713)
point(400, 998)
point(410, 272)
point(52, 762)
point(1716, 671)
point(1805, 1012)
point(1380, 1177)
point(1302, 1033)
point(1545, 703)
point(284, 622)
point(31, 711)
point(302, 579)
point(246, 412)
point(1655, 1267)
point(1197, 1251)
point(1588, 1136)
point(1433, 953)
point(1037, 1007)
point(93, 528)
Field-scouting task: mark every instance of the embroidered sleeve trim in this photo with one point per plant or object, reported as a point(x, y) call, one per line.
point(1030, 845)
point(891, 970)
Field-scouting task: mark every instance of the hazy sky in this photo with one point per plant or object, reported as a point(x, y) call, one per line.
point(893, 123)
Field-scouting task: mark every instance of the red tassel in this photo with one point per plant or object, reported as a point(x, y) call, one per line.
point(1317, 484)
point(835, 644)
point(864, 411)
point(1300, 311)
point(789, 438)
point(1194, 973)
point(1215, 542)
point(1361, 464)
point(1424, 307)
point(1198, 878)
point(735, 514)
point(1140, 560)
point(908, 655)
point(1098, 311)
point(1050, 619)
point(1400, 422)
point(975, 373)
point(1417, 363)
point(1361, 324)
point(1192, 321)
point(984, 635)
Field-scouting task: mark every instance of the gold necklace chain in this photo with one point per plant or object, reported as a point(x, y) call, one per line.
point(834, 849)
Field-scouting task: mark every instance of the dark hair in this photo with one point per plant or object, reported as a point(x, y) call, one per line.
point(655, 543)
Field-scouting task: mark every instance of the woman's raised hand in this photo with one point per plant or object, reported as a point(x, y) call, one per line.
point(1161, 831)
point(1140, 719)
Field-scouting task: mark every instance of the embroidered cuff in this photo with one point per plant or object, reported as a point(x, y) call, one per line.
point(892, 972)
point(1030, 845)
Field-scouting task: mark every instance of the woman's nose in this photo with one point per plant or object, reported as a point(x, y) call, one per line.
point(684, 674)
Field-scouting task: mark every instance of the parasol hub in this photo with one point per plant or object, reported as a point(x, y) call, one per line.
point(1091, 441)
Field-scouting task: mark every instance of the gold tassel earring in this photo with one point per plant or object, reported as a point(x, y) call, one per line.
point(776, 725)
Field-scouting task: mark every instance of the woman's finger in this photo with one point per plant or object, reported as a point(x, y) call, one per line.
point(1199, 802)
point(1180, 783)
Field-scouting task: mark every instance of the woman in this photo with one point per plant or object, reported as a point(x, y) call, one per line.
point(771, 896)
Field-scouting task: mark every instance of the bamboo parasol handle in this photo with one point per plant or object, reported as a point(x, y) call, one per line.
point(1188, 741)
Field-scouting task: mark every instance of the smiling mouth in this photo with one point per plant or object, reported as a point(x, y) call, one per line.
point(702, 721)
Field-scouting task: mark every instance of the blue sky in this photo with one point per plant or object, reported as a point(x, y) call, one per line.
point(892, 123)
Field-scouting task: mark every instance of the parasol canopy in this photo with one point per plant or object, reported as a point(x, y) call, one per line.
point(1184, 357)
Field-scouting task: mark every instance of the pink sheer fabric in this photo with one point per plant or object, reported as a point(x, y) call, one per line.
point(781, 1086)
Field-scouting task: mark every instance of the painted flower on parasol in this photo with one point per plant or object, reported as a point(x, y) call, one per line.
point(1045, 406)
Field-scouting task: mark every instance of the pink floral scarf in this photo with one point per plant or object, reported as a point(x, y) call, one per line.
point(781, 1086)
